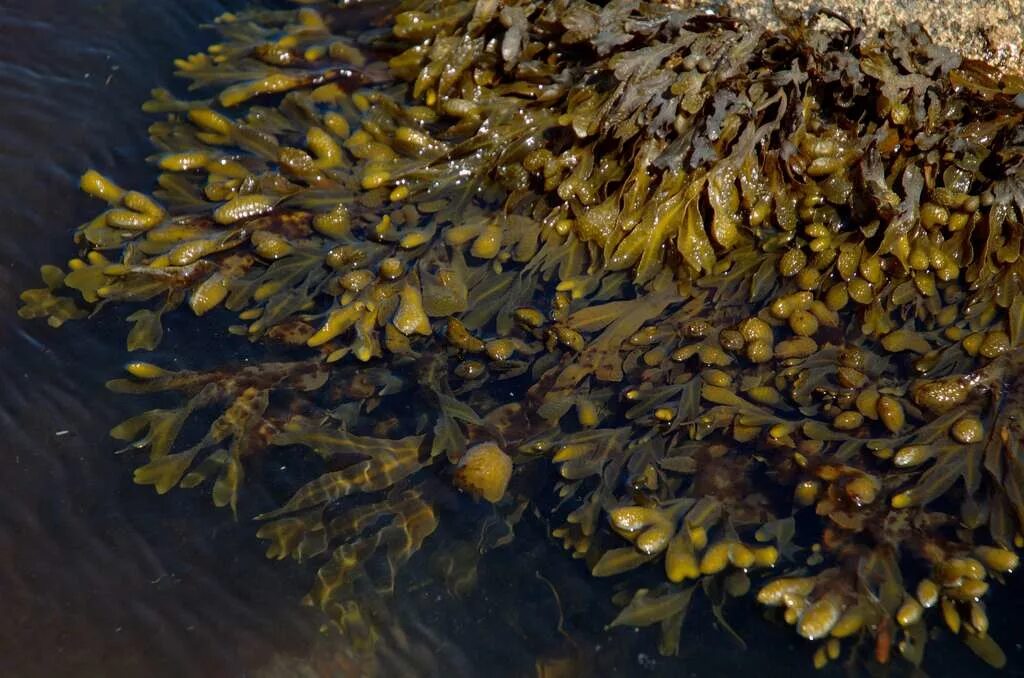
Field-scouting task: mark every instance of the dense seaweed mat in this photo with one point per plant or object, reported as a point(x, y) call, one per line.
point(744, 307)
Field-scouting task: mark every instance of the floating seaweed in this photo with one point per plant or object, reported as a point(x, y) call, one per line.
point(753, 296)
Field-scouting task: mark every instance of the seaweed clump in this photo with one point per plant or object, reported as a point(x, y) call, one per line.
point(747, 303)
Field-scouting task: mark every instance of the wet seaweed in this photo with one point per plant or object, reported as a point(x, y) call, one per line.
point(717, 279)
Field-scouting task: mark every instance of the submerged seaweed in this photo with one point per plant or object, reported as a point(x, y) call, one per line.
point(718, 279)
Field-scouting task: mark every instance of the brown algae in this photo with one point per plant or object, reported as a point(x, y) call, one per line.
point(724, 282)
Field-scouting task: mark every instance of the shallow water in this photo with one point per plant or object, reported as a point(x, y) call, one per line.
point(99, 577)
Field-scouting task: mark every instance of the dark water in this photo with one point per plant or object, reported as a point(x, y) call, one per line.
point(99, 577)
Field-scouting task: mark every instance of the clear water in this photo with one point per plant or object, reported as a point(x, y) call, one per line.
point(99, 577)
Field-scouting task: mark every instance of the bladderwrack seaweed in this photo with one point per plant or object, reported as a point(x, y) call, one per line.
point(745, 303)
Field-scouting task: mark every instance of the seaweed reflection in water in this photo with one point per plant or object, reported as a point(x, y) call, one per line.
point(728, 283)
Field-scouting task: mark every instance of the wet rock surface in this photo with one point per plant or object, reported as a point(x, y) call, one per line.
point(992, 31)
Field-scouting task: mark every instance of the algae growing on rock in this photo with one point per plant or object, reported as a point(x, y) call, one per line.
point(746, 303)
